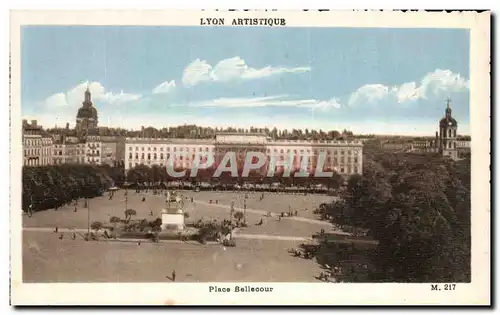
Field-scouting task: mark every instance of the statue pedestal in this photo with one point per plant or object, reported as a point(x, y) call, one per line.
point(172, 220)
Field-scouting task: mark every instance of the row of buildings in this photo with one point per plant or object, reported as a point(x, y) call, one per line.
point(84, 144)
point(345, 157)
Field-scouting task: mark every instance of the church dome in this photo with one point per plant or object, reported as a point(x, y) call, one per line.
point(447, 122)
point(87, 112)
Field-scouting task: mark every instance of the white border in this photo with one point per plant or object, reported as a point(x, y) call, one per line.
point(476, 292)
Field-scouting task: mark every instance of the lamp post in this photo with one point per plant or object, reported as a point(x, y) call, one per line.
point(88, 216)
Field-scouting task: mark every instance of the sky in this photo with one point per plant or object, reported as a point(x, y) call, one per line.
point(366, 80)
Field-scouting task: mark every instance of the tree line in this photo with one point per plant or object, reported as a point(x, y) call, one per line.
point(418, 208)
point(51, 186)
point(155, 174)
point(199, 132)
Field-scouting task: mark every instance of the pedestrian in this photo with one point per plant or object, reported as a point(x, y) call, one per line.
point(173, 275)
point(151, 212)
point(56, 229)
point(296, 212)
point(75, 209)
point(73, 237)
point(61, 236)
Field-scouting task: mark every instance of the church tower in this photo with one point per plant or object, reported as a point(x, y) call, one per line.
point(86, 118)
point(448, 134)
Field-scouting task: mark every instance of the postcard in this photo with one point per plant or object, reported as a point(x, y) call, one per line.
point(250, 158)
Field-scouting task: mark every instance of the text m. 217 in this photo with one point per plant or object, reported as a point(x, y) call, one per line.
point(443, 287)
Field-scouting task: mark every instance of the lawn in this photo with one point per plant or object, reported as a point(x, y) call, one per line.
point(48, 259)
point(102, 209)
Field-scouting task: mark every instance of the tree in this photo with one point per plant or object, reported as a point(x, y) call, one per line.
point(96, 226)
point(238, 215)
point(52, 186)
point(114, 220)
point(417, 206)
point(129, 213)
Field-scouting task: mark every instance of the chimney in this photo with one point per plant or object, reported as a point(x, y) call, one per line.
point(33, 123)
point(25, 122)
point(67, 126)
point(436, 144)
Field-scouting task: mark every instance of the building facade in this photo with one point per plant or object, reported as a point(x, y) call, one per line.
point(344, 157)
point(68, 150)
point(37, 145)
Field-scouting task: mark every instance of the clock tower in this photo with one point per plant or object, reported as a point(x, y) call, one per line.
point(447, 143)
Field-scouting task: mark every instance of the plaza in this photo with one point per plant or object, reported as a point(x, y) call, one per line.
point(261, 254)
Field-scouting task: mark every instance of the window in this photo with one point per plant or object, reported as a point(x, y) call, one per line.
point(349, 152)
point(348, 159)
point(161, 156)
point(449, 133)
point(136, 156)
point(130, 155)
point(342, 160)
point(161, 149)
point(342, 152)
point(342, 170)
point(154, 156)
point(149, 148)
point(149, 156)
point(142, 156)
point(335, 161)
point(142, 148)
point(355, 159)
point(168, 155)
point(199, 149)
point(97, 152)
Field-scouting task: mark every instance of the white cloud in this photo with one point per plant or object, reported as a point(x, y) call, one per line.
point(435, 84)
point(196, 72)
point(369, 93)
point(231, 69)
point(57, 100)
point(270, 101)
point(74, 97)
point(165, 87)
